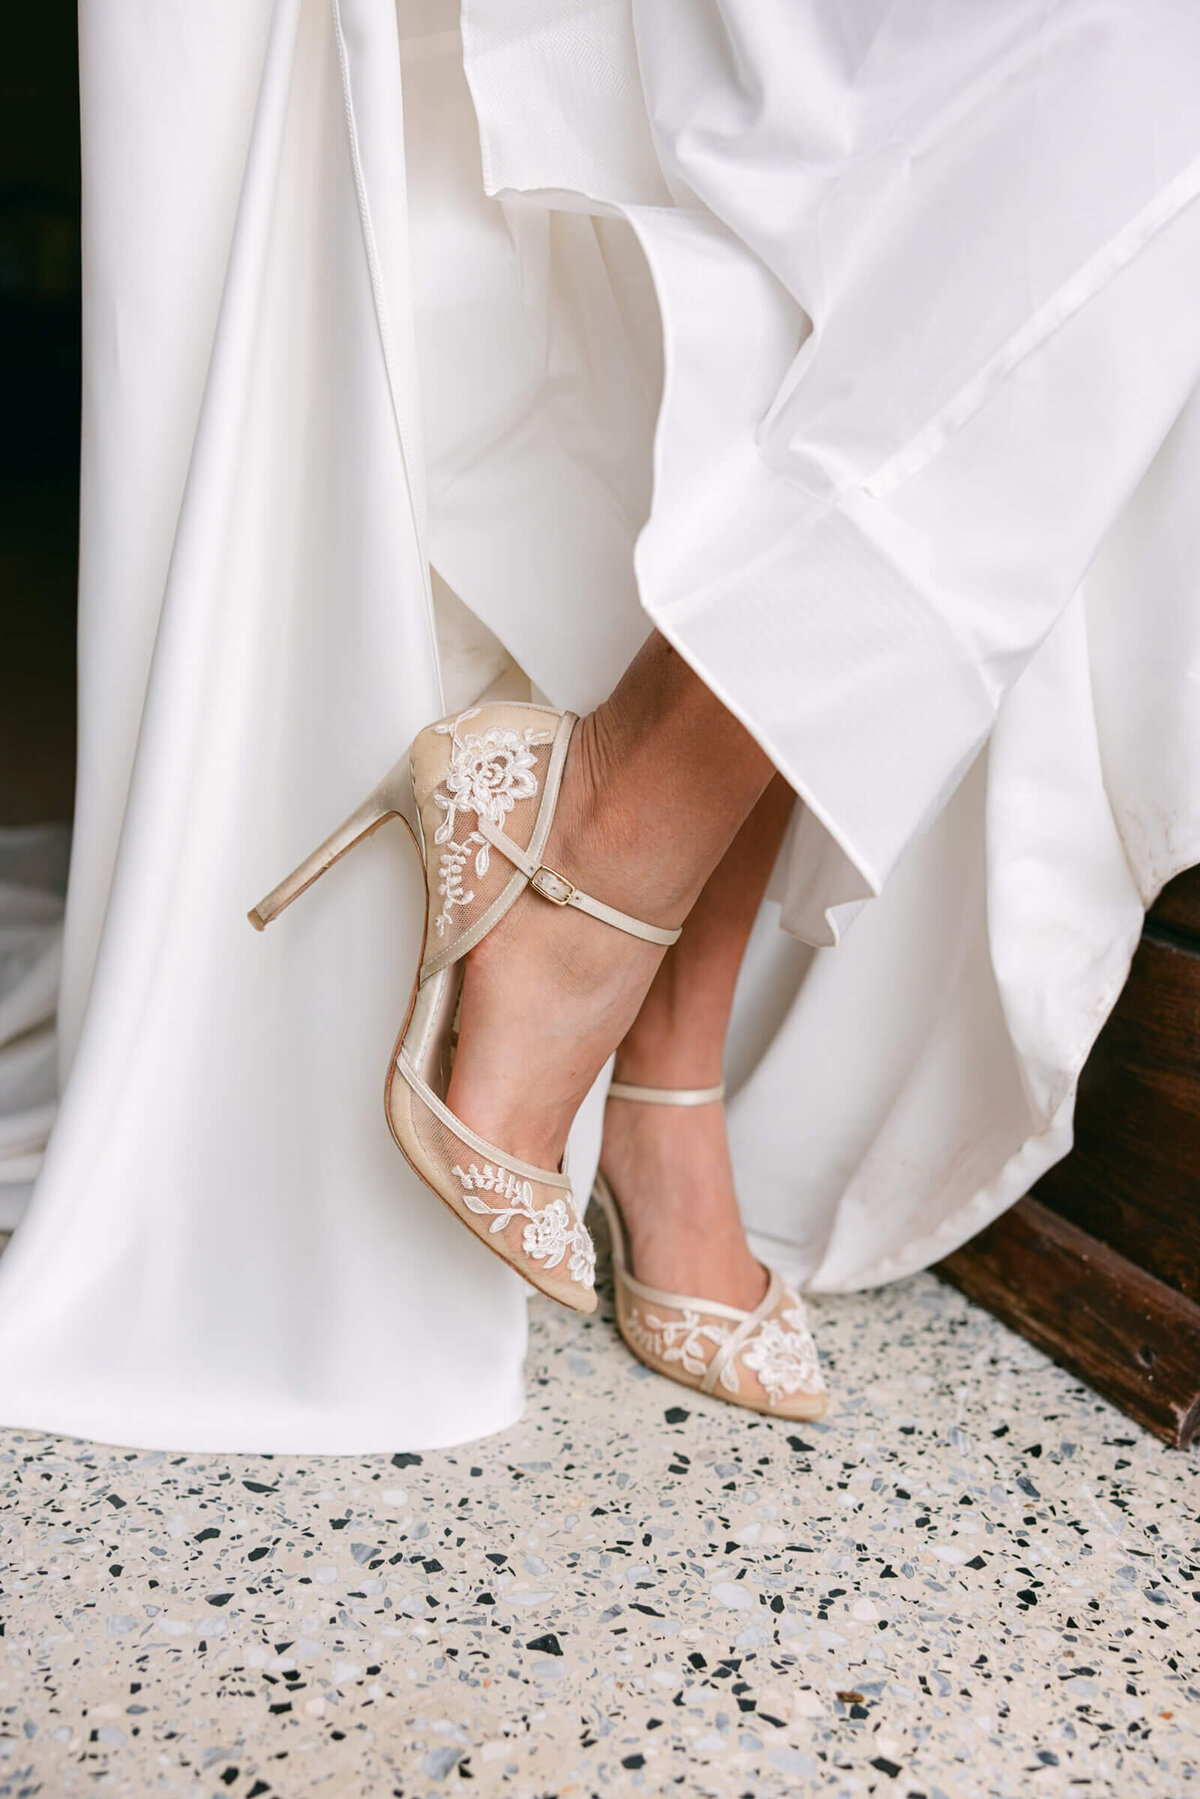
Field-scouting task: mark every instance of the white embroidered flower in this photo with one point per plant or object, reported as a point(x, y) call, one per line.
point(582, 1265)
point(488, 773)
point(783, 1354)
point(547, 1234)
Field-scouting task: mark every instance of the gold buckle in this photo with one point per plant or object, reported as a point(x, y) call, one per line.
point(552, 886)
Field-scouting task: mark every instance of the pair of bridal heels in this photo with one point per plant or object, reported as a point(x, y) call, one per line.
point(477, 795)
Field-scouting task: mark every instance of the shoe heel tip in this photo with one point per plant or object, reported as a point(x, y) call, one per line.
point(256, 919)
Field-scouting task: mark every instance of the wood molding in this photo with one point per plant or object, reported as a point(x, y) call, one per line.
point(1178, 905)
point(1133, 1178)
point(1130, 1336)
point(1101, 1265)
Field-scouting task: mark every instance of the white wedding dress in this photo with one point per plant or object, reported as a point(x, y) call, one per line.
point(856, 349)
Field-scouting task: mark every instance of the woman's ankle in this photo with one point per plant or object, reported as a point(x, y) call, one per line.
point(671, 1063)
point(677, 1038)
point(603, 836)
point(659, 780)
point(670, 1172)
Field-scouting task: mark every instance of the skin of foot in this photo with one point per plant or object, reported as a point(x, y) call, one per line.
point(670, 1170)
point(669, 1166)
point(657, 783)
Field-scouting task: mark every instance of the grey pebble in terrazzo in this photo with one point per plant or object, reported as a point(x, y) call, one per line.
point(973, 1581)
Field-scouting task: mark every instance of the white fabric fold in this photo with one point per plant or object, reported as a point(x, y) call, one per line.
point(224, 1250)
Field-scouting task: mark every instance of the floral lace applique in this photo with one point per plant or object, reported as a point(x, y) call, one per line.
point(488, 773)
point(549, 1233)
point(686, 1340)
point(783, 1354)
point(581, 1265)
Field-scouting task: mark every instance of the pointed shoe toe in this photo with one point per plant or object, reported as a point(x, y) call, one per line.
point(765, 1359)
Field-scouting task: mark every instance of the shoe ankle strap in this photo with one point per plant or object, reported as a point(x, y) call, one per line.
point(560, 891)
point(667, 1096)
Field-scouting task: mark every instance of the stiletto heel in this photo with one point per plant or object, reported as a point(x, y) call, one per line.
point(393, 798)
point(765, 1360)
point(467, 798)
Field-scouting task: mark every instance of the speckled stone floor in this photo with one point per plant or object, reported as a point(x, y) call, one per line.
point(974, 1579)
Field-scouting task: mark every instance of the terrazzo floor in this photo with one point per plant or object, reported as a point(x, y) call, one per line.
point(975, 1579)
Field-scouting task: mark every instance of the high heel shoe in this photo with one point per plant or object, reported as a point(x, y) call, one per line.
point(765, 1359)
point(473, 795)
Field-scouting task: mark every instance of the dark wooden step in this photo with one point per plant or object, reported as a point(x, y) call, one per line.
point(1101, 1265)
point(1133, 1178)
point(1178, 905)
point(1131, 1337)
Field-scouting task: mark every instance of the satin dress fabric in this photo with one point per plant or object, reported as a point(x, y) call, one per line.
point(857, 351)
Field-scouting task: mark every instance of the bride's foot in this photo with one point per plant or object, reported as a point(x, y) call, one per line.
point(656, 784)
point(668, 1165)
point(549, 992)
point(670, 1170)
